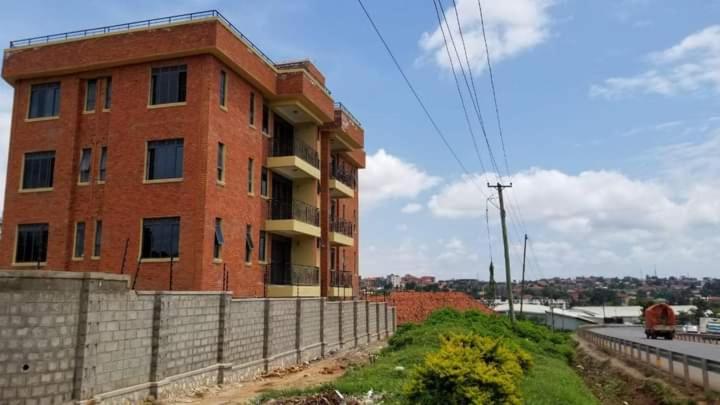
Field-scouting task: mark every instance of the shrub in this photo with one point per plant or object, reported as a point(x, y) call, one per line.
point(469, 369)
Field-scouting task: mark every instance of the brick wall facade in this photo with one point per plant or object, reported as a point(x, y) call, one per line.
point(85, 336)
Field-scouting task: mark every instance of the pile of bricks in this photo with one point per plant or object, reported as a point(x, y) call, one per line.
point(412, 306)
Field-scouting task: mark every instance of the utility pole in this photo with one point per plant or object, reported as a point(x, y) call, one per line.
point(508, 283)
point(522, 285)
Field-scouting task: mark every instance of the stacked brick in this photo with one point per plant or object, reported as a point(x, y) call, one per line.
point(415, 306)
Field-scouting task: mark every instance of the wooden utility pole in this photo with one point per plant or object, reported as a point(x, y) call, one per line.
point(522, 284)
point(500, 187)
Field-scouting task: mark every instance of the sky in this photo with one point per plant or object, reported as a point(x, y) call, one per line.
point(609, 113)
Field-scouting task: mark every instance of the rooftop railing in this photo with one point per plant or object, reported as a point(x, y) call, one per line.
point(200, 15)
point(340, 106)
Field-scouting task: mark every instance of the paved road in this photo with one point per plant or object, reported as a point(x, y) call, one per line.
point(637, 334)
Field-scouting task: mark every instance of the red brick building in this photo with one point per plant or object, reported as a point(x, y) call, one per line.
point(176, 150)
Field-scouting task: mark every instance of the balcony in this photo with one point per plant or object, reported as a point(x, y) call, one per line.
point(342, 183)
point(341, 283)
point(292, 280)
point(292, 218)
point(346, 132)
point(341, 232)
point(294, 159)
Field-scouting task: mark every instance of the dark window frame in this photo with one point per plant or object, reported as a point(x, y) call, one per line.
point(168, 85)
point(107, 103)
point(251, 176)
point(33, 172)
point(264, 181)
point(218, 240)
point(249, 246)
point(151, 248)
point(221, 163)
point(91, 90)
point(262, 247)
point(85, 166)
point(251, 112)
point(102, 165)
point(97, 239)
point(223, 88)
point(79, 241)
point(154, 171)
point(265, 119)
point(44, 106)
point(37, 251)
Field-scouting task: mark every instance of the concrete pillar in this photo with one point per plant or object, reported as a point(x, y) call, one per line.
point(324, 213)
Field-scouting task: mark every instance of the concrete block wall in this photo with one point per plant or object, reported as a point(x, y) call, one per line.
point(86, 337)
point(372, 321)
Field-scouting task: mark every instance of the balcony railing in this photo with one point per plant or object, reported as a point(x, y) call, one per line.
point(345, 176)
point(292, 274)
point(296, 148)
point(342, 279)
point(342, 226)
point(340, 106)
point(301, 211)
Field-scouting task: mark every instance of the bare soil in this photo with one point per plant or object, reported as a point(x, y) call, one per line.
point(296, 377)
point(616, 381)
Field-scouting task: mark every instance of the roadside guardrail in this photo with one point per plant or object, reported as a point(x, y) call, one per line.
point(691, 369)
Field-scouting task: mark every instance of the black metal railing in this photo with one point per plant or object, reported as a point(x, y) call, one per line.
point(292, 274)
point(140, 24)
point(342, 226)
point(342, 279)
point(296, 148)
point(340, 106)
point(345, 176)
point(302, 211)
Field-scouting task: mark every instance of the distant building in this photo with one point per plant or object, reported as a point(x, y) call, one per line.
point(395, 281)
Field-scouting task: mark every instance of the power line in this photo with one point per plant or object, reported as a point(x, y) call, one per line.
point(471, 90)
point(417, 96)
point(492, 85)
point(459, 91)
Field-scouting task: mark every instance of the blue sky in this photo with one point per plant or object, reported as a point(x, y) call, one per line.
point(609, 110)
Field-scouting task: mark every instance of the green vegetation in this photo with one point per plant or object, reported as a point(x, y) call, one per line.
point(551, 380)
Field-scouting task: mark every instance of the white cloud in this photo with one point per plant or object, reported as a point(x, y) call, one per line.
point(689, 66)
point(411, 208)
point(512, 26)
point(387, 177)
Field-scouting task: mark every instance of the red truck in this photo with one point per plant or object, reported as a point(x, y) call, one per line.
point(660, 321)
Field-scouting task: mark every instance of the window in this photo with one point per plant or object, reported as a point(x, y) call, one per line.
point(265, 119)
point(223, 88)
point(102, 171)
point(85, 156)
point(97, 245)
point(248, 244)
point(221, 163)
point(333, 258)
point(160, 238)
point(79, 249)
point(219, 239)
point(168, 85)
point(264, 181)
point(108, 93)
point(38, 170)
point(32, 242)
point(262, 245)
point(251, 186)
point(90, 95)
point(165, 159)
point(252, 109)
point(44, 100)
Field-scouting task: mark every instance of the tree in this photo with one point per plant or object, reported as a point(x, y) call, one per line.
point(491, 287)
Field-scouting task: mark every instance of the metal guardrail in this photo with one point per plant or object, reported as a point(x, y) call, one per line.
point(342, 226)
point(698, 337)
point(663, 359)
point(345, 176)
point(284, 209)
point(340, 106)
point(296, 148)
point(292, 274)
point(45, 39)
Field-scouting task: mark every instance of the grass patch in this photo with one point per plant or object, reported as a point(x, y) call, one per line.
point(550, 381)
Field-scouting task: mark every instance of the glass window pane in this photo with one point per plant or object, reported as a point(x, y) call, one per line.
point(90, 95)
point(79, 239)
point(44, 100)
point(38, 170)
point(165, 159)
point(108, 93)
point(160, 237)
point(103, 163)
point(168, 84)
point(98, 239)
point(31, 243)
point(85, 165)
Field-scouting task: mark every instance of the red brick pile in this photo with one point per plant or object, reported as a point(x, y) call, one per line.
point(415, 306)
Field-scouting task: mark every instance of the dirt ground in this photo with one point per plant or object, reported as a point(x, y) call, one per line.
point(297, 377)
point(614, 381)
